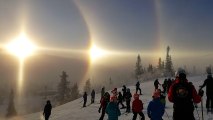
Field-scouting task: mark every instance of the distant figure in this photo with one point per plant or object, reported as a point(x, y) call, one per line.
point(102, 92)
point(124, 92)
point(85, 99)
point(138, 87)
point(156, 83)
point(120, 100)
point(47, 110)
point(155, 109)
point(93, 96)
point(169, 83)
point(104, 101)
point(128, 100)
point(137, 107)
point(112, 109)
point(209, 92)
point(183, 95)
point(164, 85)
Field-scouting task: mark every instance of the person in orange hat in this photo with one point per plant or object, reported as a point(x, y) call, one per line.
point(155, 109)
point(137, 107)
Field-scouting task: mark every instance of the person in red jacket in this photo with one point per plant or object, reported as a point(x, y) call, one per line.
point(137, 107)
point(183, 94)
point(104, 102)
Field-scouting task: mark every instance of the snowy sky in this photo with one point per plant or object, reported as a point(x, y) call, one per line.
point(144, 27)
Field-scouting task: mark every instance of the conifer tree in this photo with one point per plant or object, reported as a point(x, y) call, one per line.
point(75, 92)
point(138, 68)
point(87, 87)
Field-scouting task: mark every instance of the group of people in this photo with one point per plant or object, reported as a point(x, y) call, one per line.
point(181, 93)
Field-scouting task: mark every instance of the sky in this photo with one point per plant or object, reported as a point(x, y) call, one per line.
point(123, 27)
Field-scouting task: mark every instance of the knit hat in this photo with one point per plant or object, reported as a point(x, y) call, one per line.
point(136, 96)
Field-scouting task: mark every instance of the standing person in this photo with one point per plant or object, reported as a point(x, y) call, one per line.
point(169, 83)
point(102, 92)
point(156, 83)
point(85, 99)
point(138, 87)
point(120, 100)
point(124, 92)
point(183, 95)
point(112, 109)
point(164, 85)
point(156, 109)
point(93, 96)
point(47, 110)
point(208, 83)
point(104, 101)
point(137, 107)
point(128, 100)
point(115, 92)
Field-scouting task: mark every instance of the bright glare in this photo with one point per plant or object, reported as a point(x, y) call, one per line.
point(96, 53)
point(21, 47)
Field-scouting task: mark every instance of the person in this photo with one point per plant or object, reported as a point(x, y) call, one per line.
point(137, 107)
point(102, 91)
point(169, 83)
point(85, 99)
point(164, 85)
point(47, 110)
point(156, 83)
point(93, 96)
point(183, 96)
point(138, 87)
point(124, 92)
point(128, 99)
point(114, 92)
point(120, 100)
point(156, 109)
point(104, 101)
point(208, 83)
point(112, 109)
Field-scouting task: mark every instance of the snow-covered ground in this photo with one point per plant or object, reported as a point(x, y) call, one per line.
point(74, 111)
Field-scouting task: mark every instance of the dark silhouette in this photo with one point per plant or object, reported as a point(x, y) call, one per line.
point(164, 85)
point(120, 100)
point(128, 99)
point(124, 92)
point(169, 83)
point(85, 99)
point(47, 110)
point(102, 92)
point(208, 83)
point(104, 101)
point(11, 111)
point(183, 95)
point(93, 96)
point(137, 107)
point(156, 83)
point(138, 87)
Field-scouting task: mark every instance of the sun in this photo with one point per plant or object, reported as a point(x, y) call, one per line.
point(96, 53)
point(21, 47)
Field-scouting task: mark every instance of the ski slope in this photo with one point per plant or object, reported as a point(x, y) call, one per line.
point(74, 111)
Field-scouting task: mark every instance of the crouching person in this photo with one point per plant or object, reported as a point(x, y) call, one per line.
point(137, 107)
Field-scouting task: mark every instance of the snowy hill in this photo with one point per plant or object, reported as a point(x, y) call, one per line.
point(74, 111)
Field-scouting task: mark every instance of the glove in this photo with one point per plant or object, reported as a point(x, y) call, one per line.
point(99, 110)
point(201, 92)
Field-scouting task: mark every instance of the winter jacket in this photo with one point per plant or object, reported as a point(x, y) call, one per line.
point(209, 85)
point(47, 109)
point(183, 95)
point(128, 96)
point(113, 111)
point(104, 103)
point(137, 85)
point(155, 109)
point(137, 106)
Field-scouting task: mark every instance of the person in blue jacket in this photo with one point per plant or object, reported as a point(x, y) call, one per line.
point(112, 109)
point(155, 109)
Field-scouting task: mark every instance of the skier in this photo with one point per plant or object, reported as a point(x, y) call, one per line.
point(138, 87)
point(85, 99)
point(183, 95)
point(156, 83)
point(104, 101)
point(102, 92)
point(209, 92)
point(93, 96)
point(47, 110)
point(120, 100)
point(169, 83)
point(128, 99)
point(112, 109)
point(137, 107)
point(164, 85)
point(156, 109)
point(124, 92)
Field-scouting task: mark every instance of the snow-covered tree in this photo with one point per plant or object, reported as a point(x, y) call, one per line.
point(169, 70)
point(74, 92)
point(87, 87)
point(11, 111)
point(138, 68)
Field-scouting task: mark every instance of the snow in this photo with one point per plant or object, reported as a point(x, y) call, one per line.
point(74, 111)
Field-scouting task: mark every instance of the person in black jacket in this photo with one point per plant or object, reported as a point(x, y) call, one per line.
point(93, 96)
point(209, 92)
point(124, 92)
point(138, 87)
point(128, 100)
point(47, 110)
point(85, 99)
